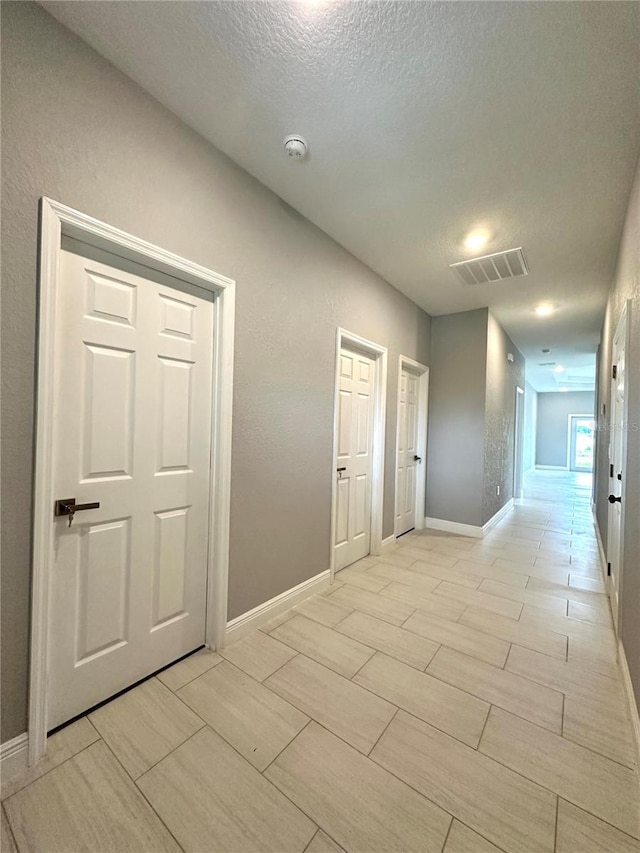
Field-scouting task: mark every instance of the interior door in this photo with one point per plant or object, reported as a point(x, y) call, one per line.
point(617, 451)
point(133, 374)
point(408, 460)
point(354, 459)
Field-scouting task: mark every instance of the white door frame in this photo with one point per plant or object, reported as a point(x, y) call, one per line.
point(586, 417)
point(623, 327)
point(379, 355)
point(518, 445)
point(58, 220)
point(422, 373)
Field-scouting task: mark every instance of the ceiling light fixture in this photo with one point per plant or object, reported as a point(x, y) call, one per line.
point(544, 310)
point(559, 369)
point(476, 240)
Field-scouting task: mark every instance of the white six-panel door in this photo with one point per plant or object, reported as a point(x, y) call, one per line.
point(407, 451)
point(133, 374)
point(354, 457)
point(617, 449)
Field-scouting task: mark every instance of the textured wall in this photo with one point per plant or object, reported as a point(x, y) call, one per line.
point(530, 421)
point(78, 130)
point(626, 287)
point(456, 417)
point(552, 432)
point(500, 418)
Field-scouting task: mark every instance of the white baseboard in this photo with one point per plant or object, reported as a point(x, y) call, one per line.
point(631, 698)
point(468, 529)
point(499, 515)
point(387, 543)
point(551, 468)
point(453, 527)
point(252, 619)
point(603, 557)
point(13, 756)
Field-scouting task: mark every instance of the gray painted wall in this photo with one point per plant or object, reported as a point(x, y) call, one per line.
point(552, 433)
point(456, 417)
point(626, 287)
point(502, 378)
point(78, 130)
point(530, 421)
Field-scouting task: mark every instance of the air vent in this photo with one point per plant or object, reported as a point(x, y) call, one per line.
point(494, 267)
point(546, 364)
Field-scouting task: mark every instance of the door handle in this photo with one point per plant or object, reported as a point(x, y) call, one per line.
point(613, 499)
point(417, 459)
point(68, 507)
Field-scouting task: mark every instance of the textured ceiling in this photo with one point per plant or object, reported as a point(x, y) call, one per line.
point(424, 120)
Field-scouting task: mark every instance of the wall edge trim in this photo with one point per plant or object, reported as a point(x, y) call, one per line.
point(14, 755)
point(454, 527)
point(497, 516)
point(252, 619)
point(631, 698)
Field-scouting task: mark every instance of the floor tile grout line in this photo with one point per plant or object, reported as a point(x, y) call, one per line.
point(379, 738)
point(195, 677)
point(506, 766)
point(46, 773)
point(9, 826)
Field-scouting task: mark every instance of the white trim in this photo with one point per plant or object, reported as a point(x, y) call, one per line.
point(551, 468)
point(252, 619)
point(469, 529)
point(498, 516)
point(387, 544)
point(379, 355)
point(58, 220)
point(631, 698)
point(518, 422)
point(13, 756)
point(454, 527)
point(623, 325)
point(602, 555)
point(421, 371)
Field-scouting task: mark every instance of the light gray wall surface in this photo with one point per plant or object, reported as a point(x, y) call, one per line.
point(502, 378)
point(626, 288)
point(554, 408)
point(77, 130)
point(530, 421)
point(456, 417)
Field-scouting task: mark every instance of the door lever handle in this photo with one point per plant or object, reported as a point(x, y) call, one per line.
point(68, 507)
point(417, 459)
point(613, 499)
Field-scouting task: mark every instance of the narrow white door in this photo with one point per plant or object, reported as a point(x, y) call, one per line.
point(617, 449)
point(133, 377)
point(354, 457)
point(408, 460)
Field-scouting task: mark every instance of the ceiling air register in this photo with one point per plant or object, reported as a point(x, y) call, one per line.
point(495, 267)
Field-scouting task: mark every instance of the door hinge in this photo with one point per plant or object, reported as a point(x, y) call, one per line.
point(608, 569)
point(611, 470)
point(614, 371)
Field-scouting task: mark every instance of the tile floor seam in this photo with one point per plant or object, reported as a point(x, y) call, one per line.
point(557, 794)
point(286, 746)
point(312, 839)
point(33, 781)
point(134, 782)
point(393, 716)
point(8, 823)
point(157, 675)
point(446, 838)
point(491, 704)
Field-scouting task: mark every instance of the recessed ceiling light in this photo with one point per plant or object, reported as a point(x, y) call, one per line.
point(544, 310)
point(564, 388)
point(559, 369)
point(476, 240)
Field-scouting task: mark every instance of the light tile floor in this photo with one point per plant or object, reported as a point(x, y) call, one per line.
point(452, 695)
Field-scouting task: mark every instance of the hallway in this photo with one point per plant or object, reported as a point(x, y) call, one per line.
point(452, 694)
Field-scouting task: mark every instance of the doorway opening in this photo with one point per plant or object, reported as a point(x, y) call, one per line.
point(518, 445)
point(79, 304)
point(411, 446)
point(582, 432)
point(358, 449)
